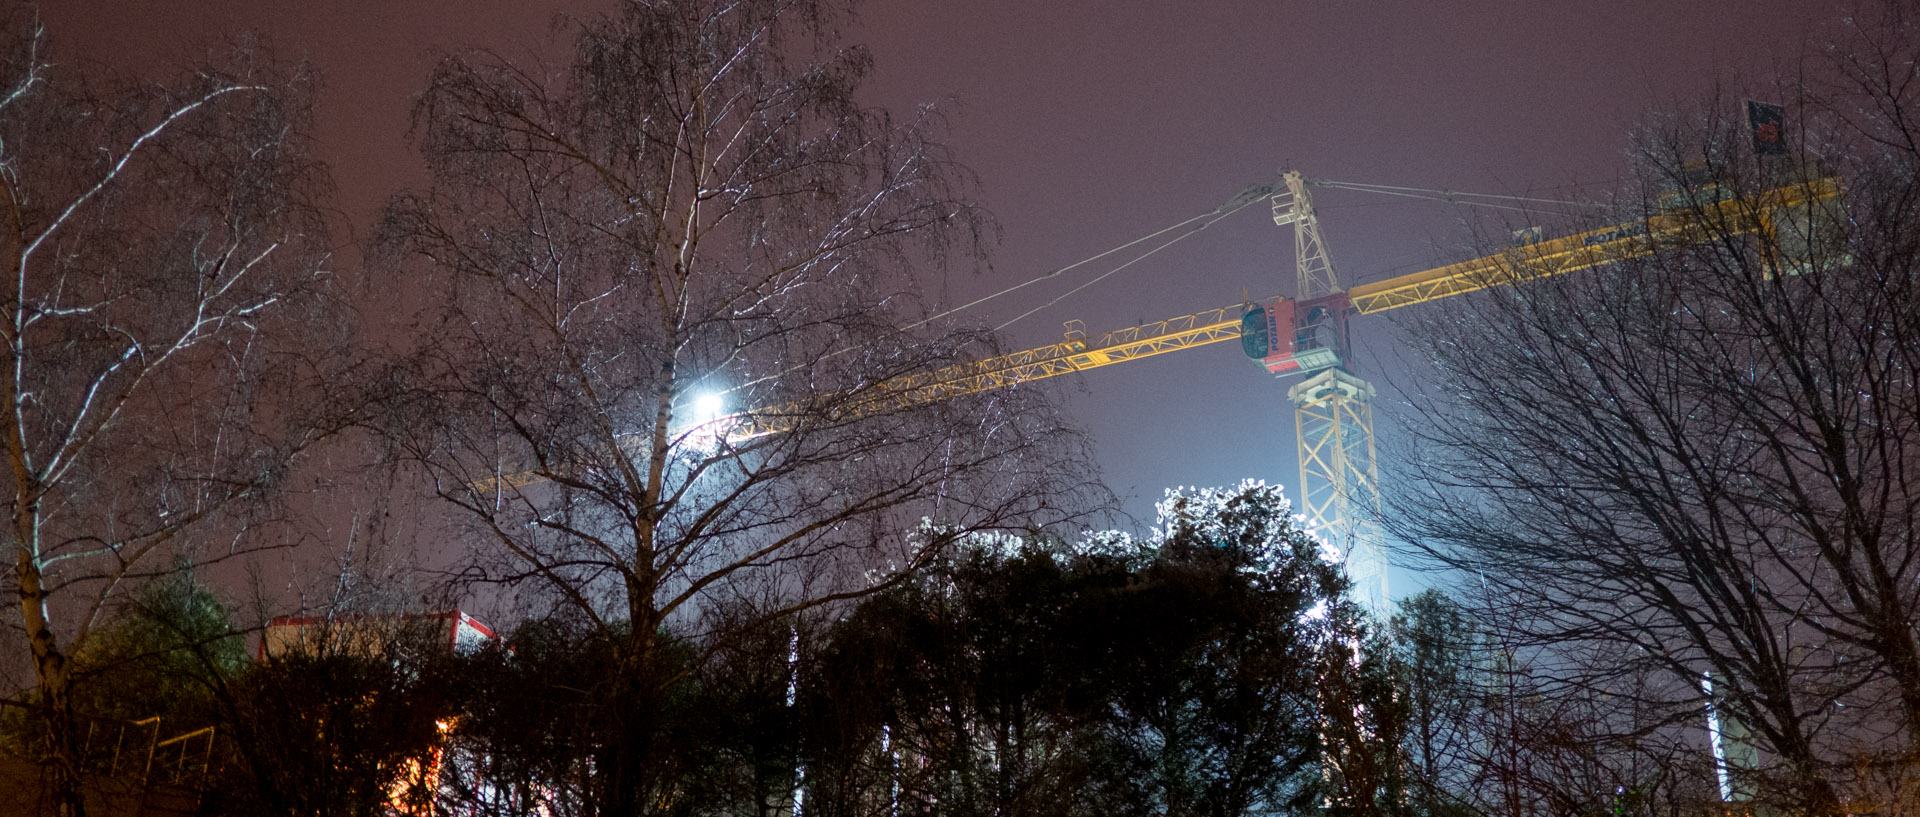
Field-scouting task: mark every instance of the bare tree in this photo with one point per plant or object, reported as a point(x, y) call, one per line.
point(158, 242)
point(1703, 462)
point(1435, 646)
point(696, 205)
point(1497, 723)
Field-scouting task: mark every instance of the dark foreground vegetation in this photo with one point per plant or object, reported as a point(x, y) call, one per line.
point(1186, 674)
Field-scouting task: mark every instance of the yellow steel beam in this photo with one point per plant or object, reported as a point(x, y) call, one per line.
point(1593, 248)
point(1075, 354)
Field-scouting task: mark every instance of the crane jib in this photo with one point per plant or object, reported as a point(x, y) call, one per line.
point(1754, 212)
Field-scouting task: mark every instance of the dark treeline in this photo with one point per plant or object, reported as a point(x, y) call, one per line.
point(1216, 669)
point(1188, 674)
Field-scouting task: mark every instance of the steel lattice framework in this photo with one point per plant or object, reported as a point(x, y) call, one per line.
point(1339, 475)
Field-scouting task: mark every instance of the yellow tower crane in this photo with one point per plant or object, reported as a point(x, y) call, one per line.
point(1307, 334)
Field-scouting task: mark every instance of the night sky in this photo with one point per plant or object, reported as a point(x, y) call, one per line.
point(1093, 123)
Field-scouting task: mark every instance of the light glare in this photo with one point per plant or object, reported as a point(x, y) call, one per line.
point(708, 407)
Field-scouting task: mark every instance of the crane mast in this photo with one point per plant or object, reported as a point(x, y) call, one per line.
point(1332, 407)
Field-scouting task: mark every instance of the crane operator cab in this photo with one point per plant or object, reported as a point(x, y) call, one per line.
point(1286, 336)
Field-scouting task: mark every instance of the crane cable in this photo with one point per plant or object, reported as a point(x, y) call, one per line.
point(1447, 199)
point(1230, 208)
point(1451, 196)
point(1208, 218)
point(1215, 216)
point(1233, 207)
point(1211, 216)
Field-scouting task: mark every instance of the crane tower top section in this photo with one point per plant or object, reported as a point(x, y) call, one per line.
point(1293, 205)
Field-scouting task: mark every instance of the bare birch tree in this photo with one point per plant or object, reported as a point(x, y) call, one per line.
point(158, 240)
point(696, 205)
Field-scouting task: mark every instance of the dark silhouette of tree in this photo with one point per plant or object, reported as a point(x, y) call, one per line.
point(1485, 721)
point(961, 692)
point(162, 247)
point(696, 204)
point(740, 719)
point(350, 722)
point(1244, 618)
point(1436, 654)
point(1030, 677)
point(1701, 463)
point(525, 728)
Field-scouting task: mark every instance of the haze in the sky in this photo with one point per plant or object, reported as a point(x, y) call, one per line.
point(1093, 122)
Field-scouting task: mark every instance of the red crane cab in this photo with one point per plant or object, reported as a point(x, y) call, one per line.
point(1286, 336)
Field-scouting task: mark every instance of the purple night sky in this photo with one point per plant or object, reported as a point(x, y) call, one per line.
point(1093, 123)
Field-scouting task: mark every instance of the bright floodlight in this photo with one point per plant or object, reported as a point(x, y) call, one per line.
point(708, 406)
